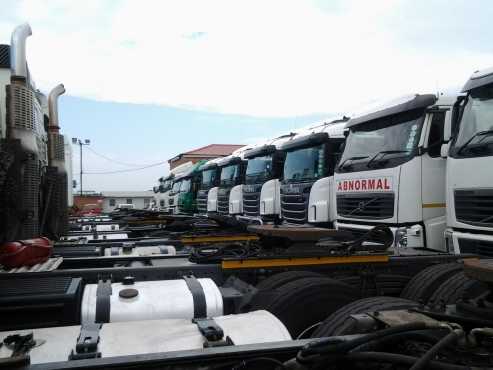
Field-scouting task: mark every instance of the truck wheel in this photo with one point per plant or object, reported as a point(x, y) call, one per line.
point(455, 288)
point(425, 283)
point(275, 281)
point(341, 323)
point(378, 285)
point(305, 302)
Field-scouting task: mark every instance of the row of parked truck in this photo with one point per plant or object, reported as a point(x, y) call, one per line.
point(418, 164)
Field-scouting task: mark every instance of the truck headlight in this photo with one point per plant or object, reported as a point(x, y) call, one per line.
point(411, 237)
point(401, 237)
point(449, 241)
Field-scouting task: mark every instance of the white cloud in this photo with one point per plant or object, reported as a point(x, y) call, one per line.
point(256, 57)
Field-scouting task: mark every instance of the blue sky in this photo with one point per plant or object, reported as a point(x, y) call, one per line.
point(143, 134)
point(148, 79)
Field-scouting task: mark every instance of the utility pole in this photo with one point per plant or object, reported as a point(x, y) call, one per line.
point(80, 143)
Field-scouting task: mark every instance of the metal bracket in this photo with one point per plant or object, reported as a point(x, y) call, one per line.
point(212, 333)
point(87, 342)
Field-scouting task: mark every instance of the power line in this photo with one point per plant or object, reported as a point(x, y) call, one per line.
point(114, 160)
point(122, 171)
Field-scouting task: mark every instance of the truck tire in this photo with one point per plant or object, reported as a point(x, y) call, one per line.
point(456, 288)
point(425, 283)
point(379, 285)
point(304, 302)
point(341, 323)
point(277, 280)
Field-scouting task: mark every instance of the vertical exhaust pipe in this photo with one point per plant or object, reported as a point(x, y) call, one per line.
point(18, 62)
point(53, 107)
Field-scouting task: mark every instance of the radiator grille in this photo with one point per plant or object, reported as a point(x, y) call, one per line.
point(366, 205)
point(223, 200)
point(474, 207)
point(251, 200)
point(202, 201)
point(294, 202)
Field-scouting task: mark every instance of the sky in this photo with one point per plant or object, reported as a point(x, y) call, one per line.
point(147, 79)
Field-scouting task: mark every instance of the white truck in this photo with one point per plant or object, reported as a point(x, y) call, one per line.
point(469, 175)
point(392, 173)
point(306, 188)
point(227, 197)
point(261, 192)
point(165, 196)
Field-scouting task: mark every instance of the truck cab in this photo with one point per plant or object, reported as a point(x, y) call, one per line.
point(162, 192)
point(174, 194)
point(209, 182)
point(261, 194)
point(469, 175)
point(392, 173)
point(190, 183)
point(306, 185)
point(33, 186)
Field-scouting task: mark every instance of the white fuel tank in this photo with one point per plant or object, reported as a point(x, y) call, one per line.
point(161, 299)
point(112, 227)
point(141, 251)
point(153, 336)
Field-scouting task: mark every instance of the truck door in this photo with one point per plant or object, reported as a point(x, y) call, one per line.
point(433, 179)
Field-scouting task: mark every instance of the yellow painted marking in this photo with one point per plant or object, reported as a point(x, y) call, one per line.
point(433, 205)
point(302, 261)
point(217, 239)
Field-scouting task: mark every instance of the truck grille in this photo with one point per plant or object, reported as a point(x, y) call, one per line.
point(375, 205)
point(474, 207)
point(294, 202)
point(202, 201)
point(481, 247)
point(223, 200)
point(251, 200)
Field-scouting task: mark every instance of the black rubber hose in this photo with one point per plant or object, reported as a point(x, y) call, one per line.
point(396, 339)
point(400, 359)
point(431, 353)
point(339, 346)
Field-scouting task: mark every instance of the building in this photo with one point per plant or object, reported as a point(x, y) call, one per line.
point(204, 153)
point(139, 199)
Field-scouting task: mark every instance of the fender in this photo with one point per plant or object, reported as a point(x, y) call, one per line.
point(270, 198)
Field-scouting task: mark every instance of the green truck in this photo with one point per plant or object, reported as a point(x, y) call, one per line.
point(190, 183)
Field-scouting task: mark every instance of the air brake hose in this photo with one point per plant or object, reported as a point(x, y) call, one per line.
point(339, 346)
point(380, 235)
point(450, 338)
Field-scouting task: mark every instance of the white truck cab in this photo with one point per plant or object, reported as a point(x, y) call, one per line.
point(392, 173)
point(469, 170)
point(261, 192)
point(227, 197)
point(164, 192)
point(306, 185)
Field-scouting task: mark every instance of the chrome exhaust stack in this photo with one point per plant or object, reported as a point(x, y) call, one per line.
point(18, 61)
point(53, 107)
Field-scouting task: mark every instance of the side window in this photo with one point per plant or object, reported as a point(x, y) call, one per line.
point(435, 136)
point(129, 201)
point(112, 203)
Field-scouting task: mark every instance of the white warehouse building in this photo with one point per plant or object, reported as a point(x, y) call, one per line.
point(139, 199)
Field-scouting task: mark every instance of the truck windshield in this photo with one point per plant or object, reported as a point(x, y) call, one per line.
point(168, 184)
point(176, 187)
point(259, 169)
point(230, 174)
point(381, 144)
point(305, 164)
point(475, 136)
point(209, 178)
point(186, 185)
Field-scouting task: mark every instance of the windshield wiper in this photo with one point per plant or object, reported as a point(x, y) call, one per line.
point(480, 133)
point(355, 158)
point(384, 153)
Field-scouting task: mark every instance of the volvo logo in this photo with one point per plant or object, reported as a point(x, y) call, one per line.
point(362, 205)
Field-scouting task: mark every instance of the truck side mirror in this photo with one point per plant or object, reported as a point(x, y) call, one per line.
point(444, 150)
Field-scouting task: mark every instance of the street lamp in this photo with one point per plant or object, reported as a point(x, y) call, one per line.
point(79, 142)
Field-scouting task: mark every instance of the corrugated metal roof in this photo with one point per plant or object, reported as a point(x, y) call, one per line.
point(214, 149)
